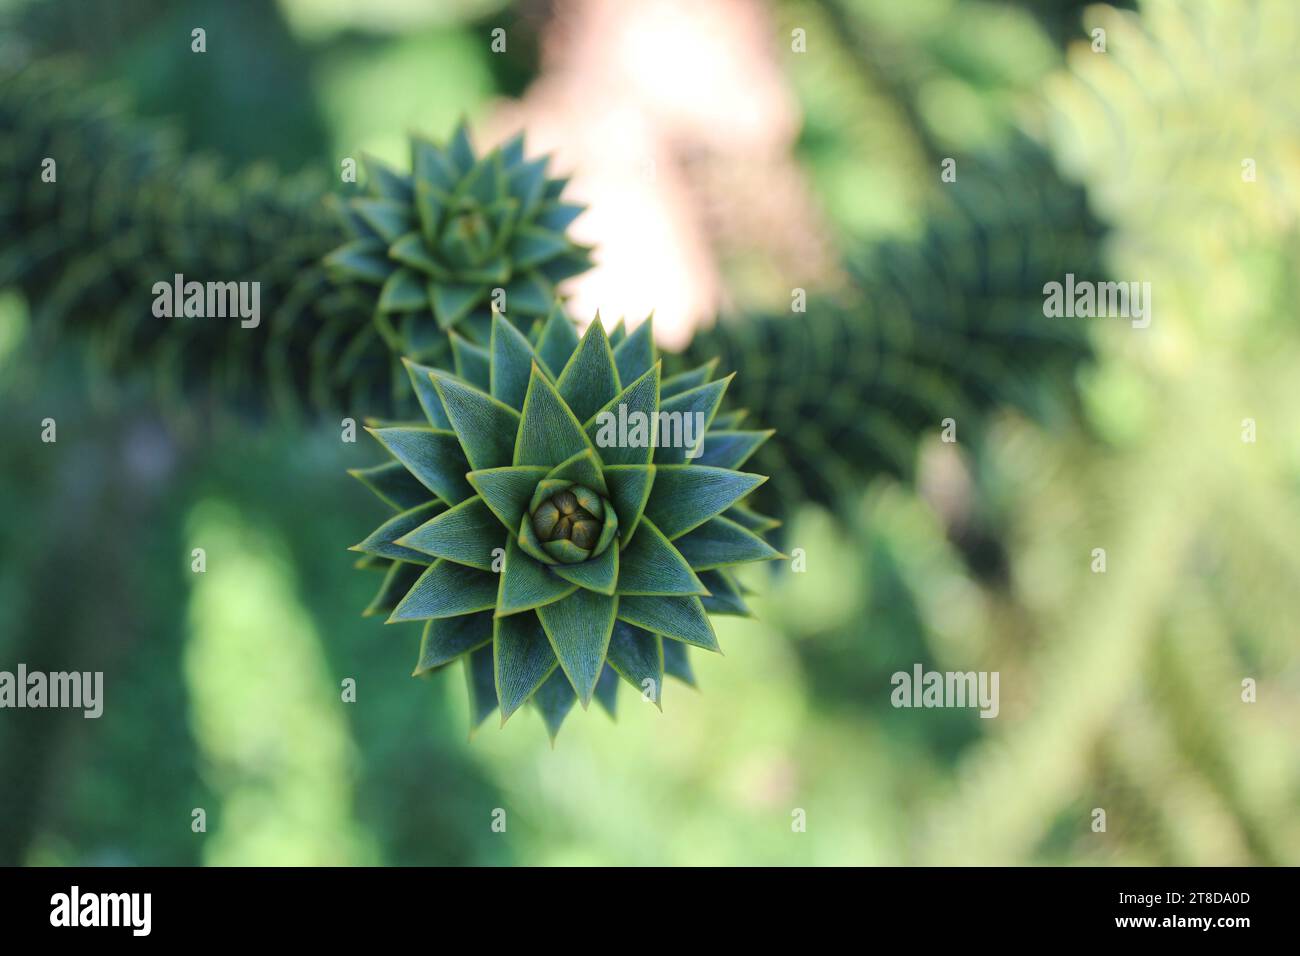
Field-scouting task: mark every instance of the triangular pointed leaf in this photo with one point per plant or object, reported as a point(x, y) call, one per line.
point(396, 486)
point(686, 496)
point(689, 416)
point(570, 264)
point(528, 184)
point(548, 433)
point(361, 260)
point(637, 656)
point(472, 362)
point(527, 294)
point(606, 690)
point(523, 659)
point(558, 341)
point(582, 469)
point(430, 164)
point(433, 456)
point(527, 584)
point(386, 182)
point(512, 152)
point(724, 595)
point(623, 430)
point(446, 639)
point(485, 426)
point(589, 379)
point(635, 355)
point(382, 541)
point(512, 363)
point(388, 218)
point(468, 534)
point(431, 204)
point(554, 699)
point(677, 662)
point(481, 183)
point(427, 394)
point(445, 590)
point(480, 678)
point(720, 542)
point(559, 216)
point(400, 578)
point(747, 517)
point(599, 574)
point(730, 449)
point(684, 381)
point(579, 628)
point(507, 490)
point(651, 565)
point(629, 490)
point(452, 301)
point(728, 421)
point(681, 618)
point(410, 250)
point(532, 246)
point(460, 151)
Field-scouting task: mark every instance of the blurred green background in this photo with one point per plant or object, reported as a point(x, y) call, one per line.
point(1120, 690)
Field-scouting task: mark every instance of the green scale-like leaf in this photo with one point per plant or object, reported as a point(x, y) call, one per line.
point(447, 589)
point(698, 404)
point(686, 496)
point(398, 579)
point(394, 485)
point(652, 566)
point(629, 490)
point(579, 628)
point(549, 432)
point(557, 341)
point(527, 583)
point(677, 661)
point(507, 490)
point(484, 425)
point(554, 699)
point(637, 656)
point(511, 363)
point(590, 378)
point(635, 354)
point(446, 639)
point(680, 618)
point(383, 540)
point(724, 596)
point(638, 402)
point(434, 245)
point(421, 377)
point(599, 573)
point(433, 456)
point(523, 658)
point(720, 542)
point(480, 679)
point(730, 449)
point(468, 533)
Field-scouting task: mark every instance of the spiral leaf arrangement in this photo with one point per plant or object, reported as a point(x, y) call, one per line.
point(458, 235)
point(541, 546)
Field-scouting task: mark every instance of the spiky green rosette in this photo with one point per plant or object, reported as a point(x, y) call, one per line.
point(543, 537)
point(441, 246)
